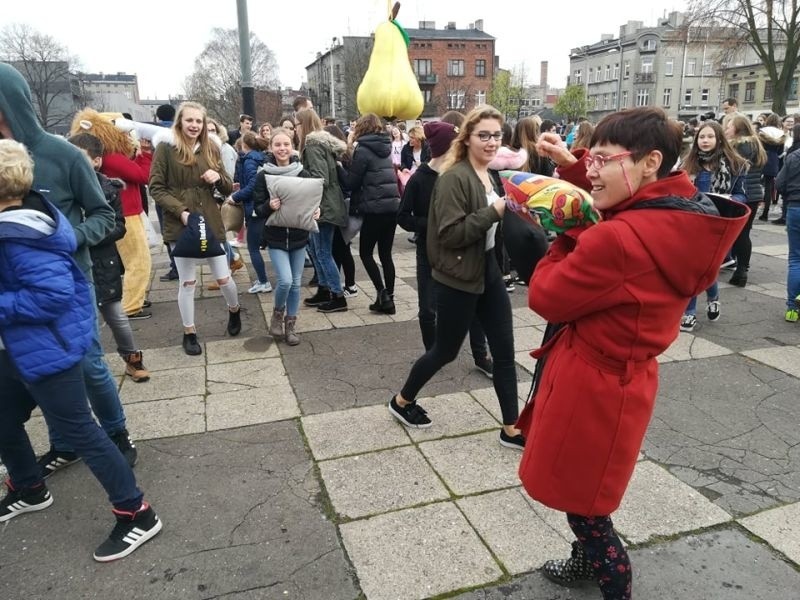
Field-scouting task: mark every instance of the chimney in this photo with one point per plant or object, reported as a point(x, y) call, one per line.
point(479, 24)
point(543, 76)
point(451, 25)
point(427, 24)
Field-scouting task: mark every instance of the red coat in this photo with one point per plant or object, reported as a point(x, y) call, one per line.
point(620, 287)
point(133, 172)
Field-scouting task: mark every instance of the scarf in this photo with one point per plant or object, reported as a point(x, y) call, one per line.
point(291, 170)
point(721, 182)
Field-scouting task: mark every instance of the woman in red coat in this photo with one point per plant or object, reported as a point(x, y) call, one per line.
point(619, 288)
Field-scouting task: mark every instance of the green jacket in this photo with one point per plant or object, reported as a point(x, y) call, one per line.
point(458, 220)
point(176, 188)
point(61, 172)
point(320, 153)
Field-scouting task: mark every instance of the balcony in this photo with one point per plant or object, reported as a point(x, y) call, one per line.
point(427, 79)
point(646, 77)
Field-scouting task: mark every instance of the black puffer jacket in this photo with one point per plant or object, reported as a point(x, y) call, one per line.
point(371, 176)
point(407, 155)
point(106, 264)
point(753, 189)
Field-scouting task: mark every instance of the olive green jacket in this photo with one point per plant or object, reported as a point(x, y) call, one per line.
point(458, 220)
point(320, 152)
point(177, 188)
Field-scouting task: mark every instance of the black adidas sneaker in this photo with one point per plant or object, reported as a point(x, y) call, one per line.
point(17, 502)
point(131, 531)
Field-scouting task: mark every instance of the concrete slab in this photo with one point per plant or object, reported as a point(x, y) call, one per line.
point(379, 482)
point(487, 398)
point(353, 431)
point(659, 504)
point(241, 348)
point(452, 414)
point(166, 418)
point(784, 358)
point(245, 375)
point(174, 383)
point(473, 463)
point(520, 536)
point(434, 542)
point(689, 347)
point(779, 527)
point(170, 357)
point(250, 407)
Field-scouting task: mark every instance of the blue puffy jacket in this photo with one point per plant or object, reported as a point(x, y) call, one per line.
point(47, 318)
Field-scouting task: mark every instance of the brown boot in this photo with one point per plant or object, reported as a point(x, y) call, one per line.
point(276, 324)
point(134, 367)
point(291, 336)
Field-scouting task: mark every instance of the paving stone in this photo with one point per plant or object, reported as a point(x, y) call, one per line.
point(433, 542)
point(525, 360)
point(380, 481)
point(473, 463)
point(487, 398)
point(784, 358)
point(659, 504)
point(115, 364)
point(245, 375)
point(452, 414)
point(345, 319)
point(174, 383)
point(36, 427)
point(521, 533)
point(352, 431)
point(252, 406)
point(170, 357)
point(687, 347)
point(776, 250)
point(240, 348)
point(308, 319)
point(779, 527)
point(166, 418)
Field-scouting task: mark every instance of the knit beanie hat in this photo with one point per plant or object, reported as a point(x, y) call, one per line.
point(439, 136)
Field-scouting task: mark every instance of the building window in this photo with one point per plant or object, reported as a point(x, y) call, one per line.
point(455, 99)
point(691, 66)
point(624, 103)
point(667, 100)
point(614, 100)
point(578, 76)
point(536, 102)
point(627, 70)
point(647, 64)
point(768, 90)
point(608, 72)
point(605, 101)
point(750, 91)
point(455, 68)
point(669, 66)
point(427, 95)
point(704, 97)
point(480, 68)
point(590, 75)
point(642, 97)
point(649, 44)
point(793, 90)
point(708, 68)
point(616, 71)
point(480, 98)
point(733, 91)
point(423, 66)
point(687, 97)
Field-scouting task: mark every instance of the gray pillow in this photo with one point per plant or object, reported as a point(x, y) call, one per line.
point(300, 198)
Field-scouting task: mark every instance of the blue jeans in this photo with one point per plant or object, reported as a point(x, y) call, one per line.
point(322, 244)
point(288, 265)
point(793, 273)
point(255, 228)
point(100, 388)
point(712, 294)
point(62, 398)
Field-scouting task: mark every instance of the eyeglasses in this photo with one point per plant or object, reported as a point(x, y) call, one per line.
point(485, 136)
point(598, 161)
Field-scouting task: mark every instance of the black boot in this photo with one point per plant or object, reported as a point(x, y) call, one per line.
point(570, 571)
point(387, 302)
point(234, 322)
point(323, 295)
point(739, 278)
point(337, 303)
point(190, 344)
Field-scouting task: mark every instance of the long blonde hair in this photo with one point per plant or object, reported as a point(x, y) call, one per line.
point(309, 121)
point(746, 135)
point(186, 153)
point(458, 148)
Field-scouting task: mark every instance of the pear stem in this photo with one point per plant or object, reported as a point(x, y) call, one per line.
point(394, 10)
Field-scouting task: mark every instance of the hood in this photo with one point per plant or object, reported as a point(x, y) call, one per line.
point(771, 135)
point(378, 143)
point(706, 226)
point(167, 136)
point(17, 107)
point(332, 143)
point(508, 159)
point(38, 223)
point(255, 155)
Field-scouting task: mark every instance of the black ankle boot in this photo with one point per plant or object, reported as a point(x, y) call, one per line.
point(323, 295)
point(570, 571)
point(386, 302)
point(739, 278)
point(190, 344)
point(234, 322)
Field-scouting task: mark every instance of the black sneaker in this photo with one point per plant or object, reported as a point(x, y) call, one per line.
point(123, 441)
point(131, 531)
point(485, 365)
point(17, 502)
point(190, 344)
point(55, 460)
point(138, 316)
point(234, 322)
point(335, 304)
point(516, 441)
point(350, 292)
point(322, 296)
point(147, 304)
point(411, 415)
point(172, 275)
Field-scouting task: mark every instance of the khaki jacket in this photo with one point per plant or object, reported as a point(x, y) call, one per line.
point(319, 156)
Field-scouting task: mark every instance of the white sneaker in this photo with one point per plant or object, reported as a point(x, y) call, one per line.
point(688, 322)
point(350, 292)
point(260, 288)
point(236, 244)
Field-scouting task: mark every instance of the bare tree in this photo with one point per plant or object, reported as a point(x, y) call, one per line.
point(216, 80)
point(770, 27)
point(357, 52)
point(48, 68)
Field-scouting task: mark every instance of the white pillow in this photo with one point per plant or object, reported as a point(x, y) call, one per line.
point(300, 198)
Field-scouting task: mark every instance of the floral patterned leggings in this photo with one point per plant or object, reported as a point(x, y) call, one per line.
point(606, 554)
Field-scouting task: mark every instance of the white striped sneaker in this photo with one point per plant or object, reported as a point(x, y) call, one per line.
point(54, 460)
point(131, 531)
point(18, 502)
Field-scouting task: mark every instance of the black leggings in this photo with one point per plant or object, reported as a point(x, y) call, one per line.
point(605, 552)
point(743, 247)
point(343, 258)
point(455, 311)
point(378, 229)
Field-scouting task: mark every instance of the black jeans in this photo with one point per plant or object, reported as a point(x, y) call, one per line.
point(343, 258)
point(743, 247)
point(455, 311)
point(378, 229)
point(426, 296)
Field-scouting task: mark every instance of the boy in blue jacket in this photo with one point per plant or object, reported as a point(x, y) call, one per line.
point(46, 327)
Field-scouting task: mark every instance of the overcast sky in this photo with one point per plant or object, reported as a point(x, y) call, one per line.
point(159, 39)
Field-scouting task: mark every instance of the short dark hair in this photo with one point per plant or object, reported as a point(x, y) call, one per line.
point(731, 102)
point(547, 125)
point(299, 103)
point(244, 117)
point(91, 143)
point(642, 130)
point(165, 112)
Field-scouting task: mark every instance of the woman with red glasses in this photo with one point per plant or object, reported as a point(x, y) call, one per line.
point(619, 289)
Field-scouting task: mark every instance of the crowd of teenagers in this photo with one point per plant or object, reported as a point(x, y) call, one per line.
point(614, 294)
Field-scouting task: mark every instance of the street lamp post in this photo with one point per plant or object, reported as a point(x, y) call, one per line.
point(333, 107)
point(248, 91)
